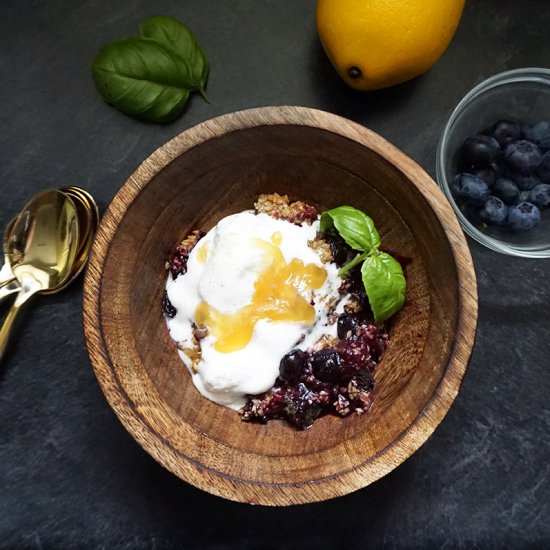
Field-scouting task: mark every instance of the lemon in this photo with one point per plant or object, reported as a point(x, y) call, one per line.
point(379, 43)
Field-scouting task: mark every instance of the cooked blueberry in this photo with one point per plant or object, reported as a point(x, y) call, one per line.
point(506, 190)
point(543, 169)
point(300, 408)
point(505, 131)
point(338, 248)
point(326, 365)
point(540, 195)
point(486, 174)
point(525, 182)
point(523, 216)
point(346, 323)
point(479, 151)
point(470, 188)
point(494, 211)
point(522, 156)
point(538, 133)
point(364, 380)
point(167, 307)
point(292, 364)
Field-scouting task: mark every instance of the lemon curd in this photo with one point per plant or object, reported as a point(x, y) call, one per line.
point(256, 289)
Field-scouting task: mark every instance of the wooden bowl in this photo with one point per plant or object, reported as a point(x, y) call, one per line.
point(218, 168)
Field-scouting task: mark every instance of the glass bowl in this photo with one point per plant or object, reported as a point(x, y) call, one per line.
point(522, 95)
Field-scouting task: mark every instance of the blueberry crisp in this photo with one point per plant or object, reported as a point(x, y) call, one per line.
point(282, 313)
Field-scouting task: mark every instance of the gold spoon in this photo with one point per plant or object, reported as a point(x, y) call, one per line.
point(6, 274)
point(86, 197)
point(41, 249)
point(88, 220)
point(86, 207)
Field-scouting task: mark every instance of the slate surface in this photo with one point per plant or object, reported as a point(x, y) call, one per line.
point(70, 475)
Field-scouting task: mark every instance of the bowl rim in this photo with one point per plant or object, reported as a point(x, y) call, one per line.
point(372, 468)
point(539, 75)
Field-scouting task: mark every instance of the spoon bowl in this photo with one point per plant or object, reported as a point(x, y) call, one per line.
point(88, 215)
point(88, 221)
point(41, 249)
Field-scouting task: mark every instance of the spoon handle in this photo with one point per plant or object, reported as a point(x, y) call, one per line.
point(24, 294)
point(6, 274)
point(9, 288)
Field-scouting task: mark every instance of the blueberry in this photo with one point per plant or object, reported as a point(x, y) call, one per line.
point(538, 133)
point(525, 182)
point(338, 248)
point(479, 151)
point(300, 409)
point(522, 156)
point(506, 131)
point(540, 195)
point(499, 168)
point(506, 190)
point(167, 307)
point(470, 188)
point(486, 174)
point(292, 364)
point(346, 323)
point(523, 216)
point(364, 380)
point(326, 365)
point(494, 211)
point(543, 169)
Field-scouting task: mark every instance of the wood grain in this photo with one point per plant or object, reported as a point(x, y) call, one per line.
point(218, 168)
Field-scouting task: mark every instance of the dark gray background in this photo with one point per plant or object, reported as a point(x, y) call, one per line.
point(70, 475)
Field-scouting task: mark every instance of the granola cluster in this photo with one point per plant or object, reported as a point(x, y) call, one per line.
point(177, 263)
point(280, 208)
point(322, 247)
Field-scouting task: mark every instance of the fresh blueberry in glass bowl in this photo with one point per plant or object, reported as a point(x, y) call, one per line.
point(522, 156)
point(494, 211)
point(487, 174)
point(543, 168)
point(479, 151)
point(525, 182)
point(538, 133)
point(507, 190)
point(469, 188)
point(540, 195)
point(506, 131)
point(523, 216)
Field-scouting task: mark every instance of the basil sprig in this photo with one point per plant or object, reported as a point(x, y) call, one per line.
point(382, 274)
point(151, 76)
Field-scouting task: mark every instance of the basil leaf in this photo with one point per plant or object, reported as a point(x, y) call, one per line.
point(354, 226)
point(385, 285)
point(141, 78)
point(179, 40)
point(151, 77)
